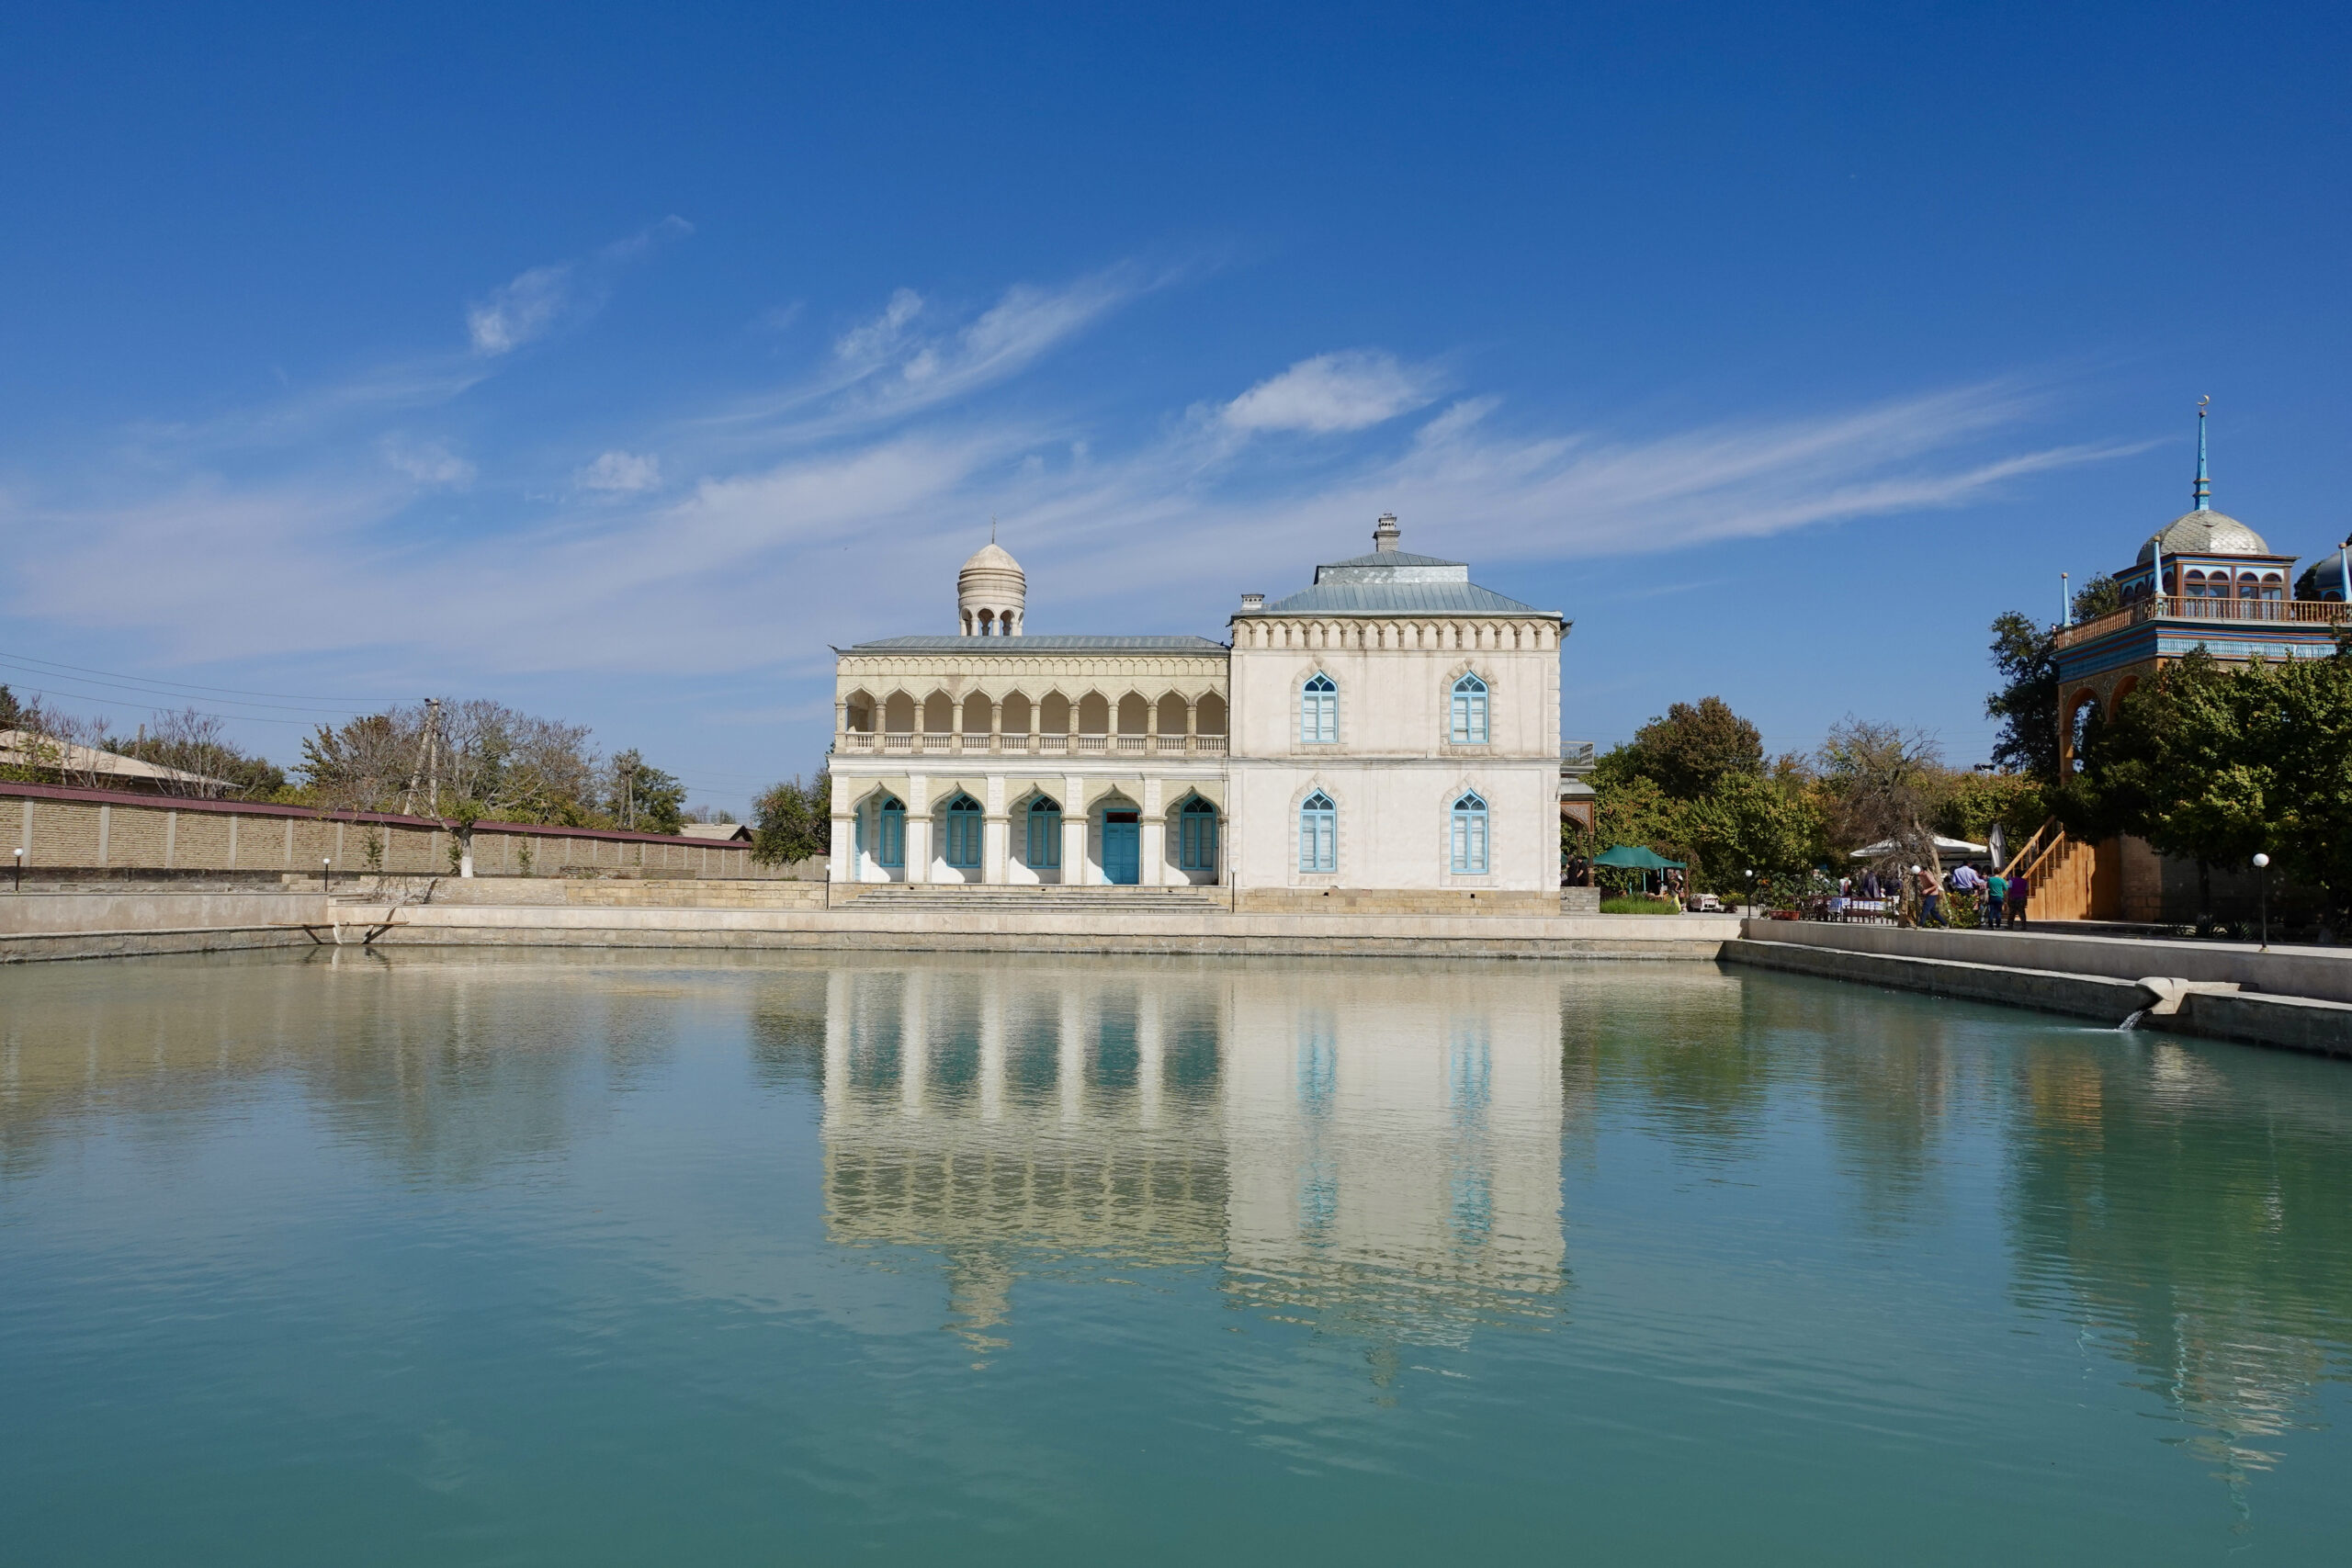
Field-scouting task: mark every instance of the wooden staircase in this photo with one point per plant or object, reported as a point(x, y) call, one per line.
point(2071, 878)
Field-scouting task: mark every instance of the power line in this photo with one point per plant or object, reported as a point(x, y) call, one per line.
point(157, 690)
point(228, 691)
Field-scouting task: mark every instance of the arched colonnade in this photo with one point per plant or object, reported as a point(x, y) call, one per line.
point(1051, 720)
point(1075, 831)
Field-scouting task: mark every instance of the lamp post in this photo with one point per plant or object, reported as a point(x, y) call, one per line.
point(323, 872)
point(20, 871)
point(2262, 874)
point(1751, 893)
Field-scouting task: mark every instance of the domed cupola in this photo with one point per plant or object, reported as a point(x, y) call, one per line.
point(2325, 580)
point(991, 593)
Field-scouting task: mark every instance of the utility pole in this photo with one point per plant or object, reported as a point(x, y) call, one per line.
point(427, 750)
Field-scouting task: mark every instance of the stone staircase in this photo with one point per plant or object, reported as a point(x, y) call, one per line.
point(1046, 900)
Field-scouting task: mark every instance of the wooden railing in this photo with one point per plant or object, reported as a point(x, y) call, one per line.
point(2178, 608)
point(2061, 874)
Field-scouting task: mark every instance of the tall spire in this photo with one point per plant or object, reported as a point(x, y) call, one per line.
point(2204, 486)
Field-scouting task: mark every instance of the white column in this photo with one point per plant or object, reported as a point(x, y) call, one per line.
point(992, 1048)
point(995, 835)
point(842, 866)
point(917, 828)
point(1074, 833)
point(1153, 837)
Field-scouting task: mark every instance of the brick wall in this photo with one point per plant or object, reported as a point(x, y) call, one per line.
point(78, 829)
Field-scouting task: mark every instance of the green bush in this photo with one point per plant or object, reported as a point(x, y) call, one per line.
point(1639, 904)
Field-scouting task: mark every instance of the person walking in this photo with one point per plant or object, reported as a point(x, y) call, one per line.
point(1996, 892)
point(1931, 893)
point(2020, 891)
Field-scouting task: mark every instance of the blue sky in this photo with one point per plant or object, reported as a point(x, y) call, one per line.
point(615, 362)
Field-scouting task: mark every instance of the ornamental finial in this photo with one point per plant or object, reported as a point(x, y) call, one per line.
point(2204, 496)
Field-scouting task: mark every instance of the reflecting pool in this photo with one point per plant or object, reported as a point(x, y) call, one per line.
point(459, 1257)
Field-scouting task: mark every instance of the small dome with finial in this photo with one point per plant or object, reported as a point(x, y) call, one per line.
point(991, 592)
point(2203, 532)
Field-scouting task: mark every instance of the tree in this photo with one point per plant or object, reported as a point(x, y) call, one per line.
point(1881, 784)
point(2026, 654)
point(1749, 823)
point(2214, 765)
point(192, 744)
point(642, 798)
point(487, 763)
point(362, 765)
point(1691, 749)
point(791, 821)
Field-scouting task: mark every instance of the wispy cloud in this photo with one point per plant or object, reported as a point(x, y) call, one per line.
point(912, 356)
point(428, 464)
point(625, 473)
point(1333, 392)
point(540, 298)
point(838, 506)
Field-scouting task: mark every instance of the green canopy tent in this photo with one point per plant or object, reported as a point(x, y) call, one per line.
point(1636, 857)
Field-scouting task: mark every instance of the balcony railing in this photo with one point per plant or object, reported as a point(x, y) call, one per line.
point(852, 742)
point(2178, 608)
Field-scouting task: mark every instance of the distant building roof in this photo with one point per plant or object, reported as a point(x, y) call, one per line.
point(718, 832)
point(1011, 644)
point(18, 748)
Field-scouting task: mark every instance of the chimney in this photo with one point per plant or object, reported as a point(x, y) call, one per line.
point(1252, 601)
point(1383, 533)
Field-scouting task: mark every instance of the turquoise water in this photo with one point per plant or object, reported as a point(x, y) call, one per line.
point(584, 1259)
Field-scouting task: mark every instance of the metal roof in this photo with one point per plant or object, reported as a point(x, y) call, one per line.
point(2205, 532)
point(1395, 599)
point(1008, 645)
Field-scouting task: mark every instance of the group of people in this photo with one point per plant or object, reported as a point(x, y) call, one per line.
point(2003, 899)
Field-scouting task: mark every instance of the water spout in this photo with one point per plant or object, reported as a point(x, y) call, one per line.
point(2133, 1021)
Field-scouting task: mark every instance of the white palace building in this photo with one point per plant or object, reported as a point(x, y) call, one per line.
point(1393, 728)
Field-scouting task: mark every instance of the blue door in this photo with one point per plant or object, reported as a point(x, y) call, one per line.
point(1122, 840)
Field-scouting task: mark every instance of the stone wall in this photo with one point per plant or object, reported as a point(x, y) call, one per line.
point(1396, 901)
point(60, 827)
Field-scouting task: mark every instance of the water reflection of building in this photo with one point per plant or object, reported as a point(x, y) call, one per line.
point(2194, 1222)
point(1378, 1152)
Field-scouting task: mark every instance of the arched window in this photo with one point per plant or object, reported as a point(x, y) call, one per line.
point(890, 824)
point(1470, 836)
point(1196, 836)
point(964, 819)
point(2274, 587)
point(1469, 711)
point(2248, 586)
point(1318, 833)
point(1045, 834)
point(988, 623)
point(1318, 710)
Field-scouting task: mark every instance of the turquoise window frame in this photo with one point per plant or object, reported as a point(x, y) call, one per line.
point(1044, 835)
point(964, 823)
point(1318, 833)
point(1469, 727)
point(1470, 836)
point(1318, 710)
point(890, 834)
point(1196, 836)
